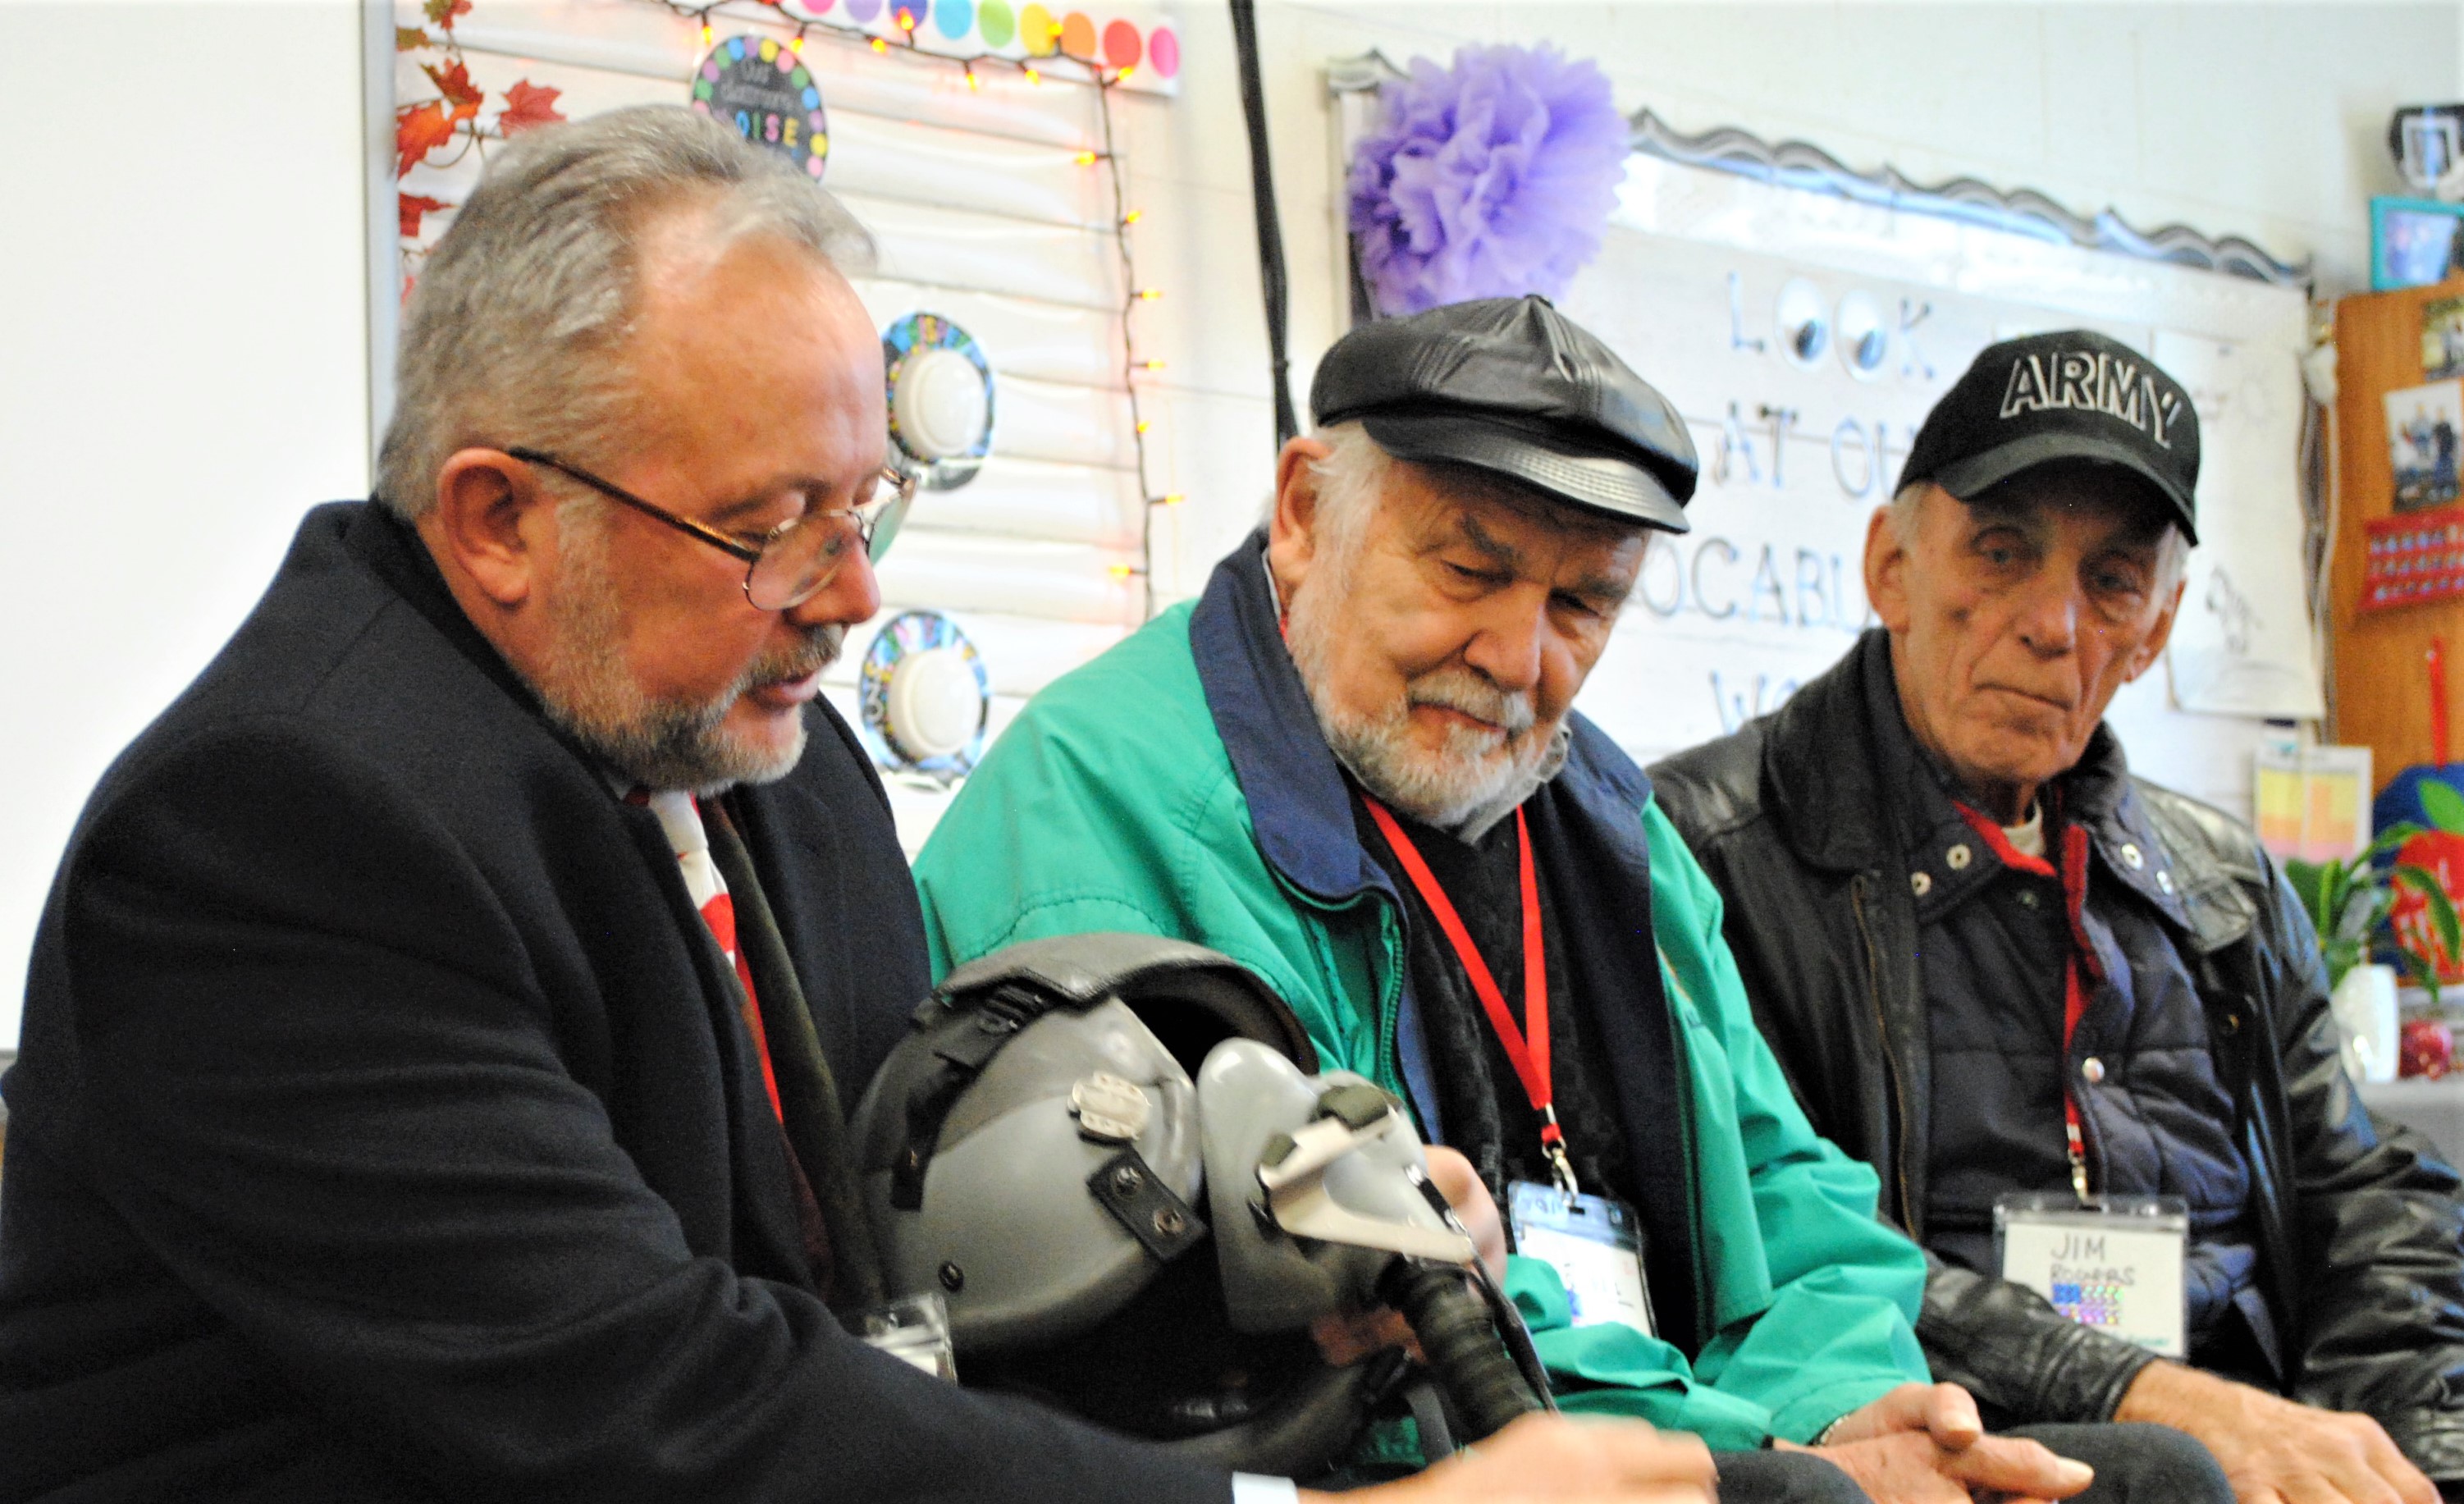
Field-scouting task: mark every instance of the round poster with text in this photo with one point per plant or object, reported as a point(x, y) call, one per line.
point(762, 88)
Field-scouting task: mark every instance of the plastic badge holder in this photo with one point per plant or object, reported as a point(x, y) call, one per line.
point(1595, 1246)
point(917, 1329)
point(2114, 1263)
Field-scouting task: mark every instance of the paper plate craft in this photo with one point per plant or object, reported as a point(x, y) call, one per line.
point(763, 89)
point(923, 698)
point(940, 398)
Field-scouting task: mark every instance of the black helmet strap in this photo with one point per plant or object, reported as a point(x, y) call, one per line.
point(963, 1041)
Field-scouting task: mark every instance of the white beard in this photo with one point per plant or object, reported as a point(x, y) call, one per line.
point(589, 690)
point(1476, 775)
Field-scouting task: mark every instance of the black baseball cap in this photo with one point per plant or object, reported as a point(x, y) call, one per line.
point(1513, 387)
point(2075, 395)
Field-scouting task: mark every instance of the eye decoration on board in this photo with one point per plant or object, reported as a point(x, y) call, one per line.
point(940, 398)
point(761, 87)
point(923, 698)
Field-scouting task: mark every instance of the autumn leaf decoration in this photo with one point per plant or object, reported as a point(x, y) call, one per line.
point(413, 205)
point(424, 126)
point(528, 104)
point(454, 82)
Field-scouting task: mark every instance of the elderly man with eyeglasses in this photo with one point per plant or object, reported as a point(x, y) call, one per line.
point(434, 1045)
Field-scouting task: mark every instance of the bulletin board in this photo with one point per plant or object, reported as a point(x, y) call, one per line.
point(1805, 333)
point(994, 190)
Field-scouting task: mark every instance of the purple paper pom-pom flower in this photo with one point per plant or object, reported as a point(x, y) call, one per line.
point(1489, 179)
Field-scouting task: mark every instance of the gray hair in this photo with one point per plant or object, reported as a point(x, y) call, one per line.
point(516, 329)
point(1349, 479)
point(2173, 549)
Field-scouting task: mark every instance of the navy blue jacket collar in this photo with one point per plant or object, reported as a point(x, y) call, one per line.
point(1299, 802)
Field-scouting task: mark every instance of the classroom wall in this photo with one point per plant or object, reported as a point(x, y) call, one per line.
point(182, 351)
point(183, 348)
point(2260, 120)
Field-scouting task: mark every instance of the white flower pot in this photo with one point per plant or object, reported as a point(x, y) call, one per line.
point(2363, 1005)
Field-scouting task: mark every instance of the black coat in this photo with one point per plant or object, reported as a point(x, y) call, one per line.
point(2360, 1233)
point(383, 1128)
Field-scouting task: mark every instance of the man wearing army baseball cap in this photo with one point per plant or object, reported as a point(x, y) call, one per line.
point(2076, 398)
point(1997, 966)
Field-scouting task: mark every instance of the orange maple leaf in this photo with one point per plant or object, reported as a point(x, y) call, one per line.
point(413, 205)
point(528, 104)
point(418, 130)
point(454, 83)
point(443, 12)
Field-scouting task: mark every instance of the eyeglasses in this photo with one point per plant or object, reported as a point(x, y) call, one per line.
point(801, 556)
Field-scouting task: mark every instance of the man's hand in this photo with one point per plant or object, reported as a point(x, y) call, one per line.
point(1344, 1340)
point(1470, 1196)
point(1547, 1459)
point(1923, 1443)
point(2277, 1451)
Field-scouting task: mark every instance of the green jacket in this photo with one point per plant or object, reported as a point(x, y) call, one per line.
point(1116, 801)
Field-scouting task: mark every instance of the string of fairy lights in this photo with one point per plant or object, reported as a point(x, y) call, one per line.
point(1059, 68)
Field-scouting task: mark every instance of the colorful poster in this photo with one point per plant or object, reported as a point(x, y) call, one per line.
point(2425, 426)
point(2442, 339)
point(762, 88)
point(2313, 802)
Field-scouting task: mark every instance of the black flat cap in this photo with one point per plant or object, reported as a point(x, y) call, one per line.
point(1512, 386)
point(2070, 397)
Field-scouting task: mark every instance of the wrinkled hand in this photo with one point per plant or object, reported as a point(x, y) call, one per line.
point(1347, 1338)
point(1547, 1459)
point(2277, 1451)
point(1923, 1443)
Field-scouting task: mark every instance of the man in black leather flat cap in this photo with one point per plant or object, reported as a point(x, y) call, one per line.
point(1354, 766)
point(2042, 996)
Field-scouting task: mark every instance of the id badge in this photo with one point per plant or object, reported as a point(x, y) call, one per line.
point(1595, 1245)
point(917, 1329)
point(2115, 1264)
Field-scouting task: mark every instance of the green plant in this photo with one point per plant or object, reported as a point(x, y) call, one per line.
point(2348, 901)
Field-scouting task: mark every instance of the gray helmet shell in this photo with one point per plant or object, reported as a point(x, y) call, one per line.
point(1054, 1261)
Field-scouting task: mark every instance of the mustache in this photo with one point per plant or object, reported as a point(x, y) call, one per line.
point(1468, 693)
point(818, 650)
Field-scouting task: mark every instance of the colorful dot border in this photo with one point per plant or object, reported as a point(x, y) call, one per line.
point(1144, 46)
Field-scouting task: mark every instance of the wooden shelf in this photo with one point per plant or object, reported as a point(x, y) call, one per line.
point(2381, 677)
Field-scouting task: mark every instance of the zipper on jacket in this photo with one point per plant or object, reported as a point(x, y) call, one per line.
point(1390, 999)
point(1882, 1050)
point(1385, 1065)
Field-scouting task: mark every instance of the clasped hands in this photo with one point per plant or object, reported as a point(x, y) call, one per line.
point(1916, 1444)
point(1920, 1444)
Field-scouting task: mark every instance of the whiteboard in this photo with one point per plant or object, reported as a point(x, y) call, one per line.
point(1804, 337)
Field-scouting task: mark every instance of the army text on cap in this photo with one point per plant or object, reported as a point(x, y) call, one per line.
point(2092, 381)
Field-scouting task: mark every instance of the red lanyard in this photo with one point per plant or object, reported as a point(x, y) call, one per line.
point(1528, 1054)
point(2076, 964)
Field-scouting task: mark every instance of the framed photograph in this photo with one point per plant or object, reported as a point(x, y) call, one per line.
point(2442, 339)
point(2424, 427)
point(2414, 242)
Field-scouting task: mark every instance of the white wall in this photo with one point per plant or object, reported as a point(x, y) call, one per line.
point(181, 325)
point(183, 352)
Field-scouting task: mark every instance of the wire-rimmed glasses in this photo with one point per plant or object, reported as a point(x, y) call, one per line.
point(801, 556)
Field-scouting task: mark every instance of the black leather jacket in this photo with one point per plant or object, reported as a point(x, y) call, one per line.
point(2361, 1234)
